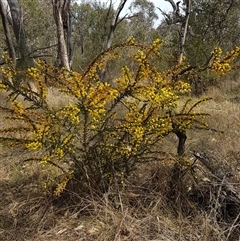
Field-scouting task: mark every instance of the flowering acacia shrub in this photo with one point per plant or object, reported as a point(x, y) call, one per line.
point(222, 62)
point(107, 130)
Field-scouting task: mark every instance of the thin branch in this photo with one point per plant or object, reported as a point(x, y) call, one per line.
point(39, 49)
point(166, 16)
point(126, 16)
point(174, 6)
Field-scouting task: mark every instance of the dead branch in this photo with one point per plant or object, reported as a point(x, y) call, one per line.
point(174, 6)
point(115, 22)
point(183, 31)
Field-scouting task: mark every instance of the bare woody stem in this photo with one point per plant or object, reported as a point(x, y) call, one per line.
point(183, 32)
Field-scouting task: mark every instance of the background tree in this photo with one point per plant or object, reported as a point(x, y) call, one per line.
point(10, 10)
point(142, 25)
point(4, 14)
point(63, 22)
point(91, 24)
point(211, 23)
point(41, 35)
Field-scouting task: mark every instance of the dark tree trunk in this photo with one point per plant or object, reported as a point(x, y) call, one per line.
point(25, 60)
point(11, 50)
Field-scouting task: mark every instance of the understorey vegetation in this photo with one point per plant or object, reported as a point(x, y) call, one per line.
point(93, 144)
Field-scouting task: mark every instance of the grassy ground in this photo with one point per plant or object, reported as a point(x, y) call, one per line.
point(146, 209)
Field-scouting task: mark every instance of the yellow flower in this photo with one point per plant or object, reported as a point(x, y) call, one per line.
point(35, 145)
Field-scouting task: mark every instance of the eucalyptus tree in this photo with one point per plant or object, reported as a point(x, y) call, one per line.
point(141, 26)
point(88, 22)
point(40, 29)
point(211, 24)
point(62, 16)
point(12, 18)
point(4, 11)
point(181, 19)
point(97, 25)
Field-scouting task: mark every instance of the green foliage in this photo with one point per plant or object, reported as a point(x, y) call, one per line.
point(39, 23)
point(212, 24)
point(107, 130)
point(91, 23)
point(141, 25)
point(39, 30)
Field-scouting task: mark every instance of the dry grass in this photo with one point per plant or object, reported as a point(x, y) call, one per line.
point(140, 213)
point(143, 211)
point(222, 144)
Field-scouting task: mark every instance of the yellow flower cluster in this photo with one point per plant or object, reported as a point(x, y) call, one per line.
point(3, 87)
point(38, 74)
point(18, 108)
point(125, 80)
point(140, 56)
point(67, 139)
point(156, 45)
point(137, 135)
point(4, 55)
point(45, 159)
point(156, 96)
point(72, 83)
point(59, 152)
point(230, 56)
point(6, 58)
point(63, 183)
point(221, 67)
point(38, 134)
point(69, 111)
point(33, 73)
point(160, 125)
point(169, 97)
point(182, 87)
point(222, 64)
point(217, 51)
point(97, 98)
point(158, 78)
point(131, 40)
point(40, 64)
point(92, 74)
point(35, 145)
point(8, 71)
point(148, 93)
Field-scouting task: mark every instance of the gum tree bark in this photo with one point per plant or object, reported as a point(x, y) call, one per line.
point(183, 31)
point(4, 8)
point(10, 11)
point(60, 11)
point(25, 60)
point(181, 20)
point(114, 23)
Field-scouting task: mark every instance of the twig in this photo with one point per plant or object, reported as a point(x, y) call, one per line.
point(234, 225)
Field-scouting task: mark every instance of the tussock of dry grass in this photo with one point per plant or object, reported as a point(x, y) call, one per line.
point(144, 210)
